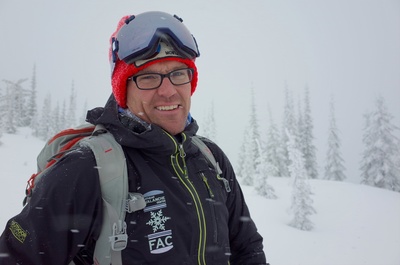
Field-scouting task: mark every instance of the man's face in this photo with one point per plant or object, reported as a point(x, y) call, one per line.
point(167, 106)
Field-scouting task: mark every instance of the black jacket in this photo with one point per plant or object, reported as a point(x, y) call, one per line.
point(190, 217)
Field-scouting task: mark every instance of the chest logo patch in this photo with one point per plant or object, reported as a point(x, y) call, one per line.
point(158, 220)
point(160, 241)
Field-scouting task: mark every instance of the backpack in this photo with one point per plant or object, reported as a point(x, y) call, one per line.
point(113, 174)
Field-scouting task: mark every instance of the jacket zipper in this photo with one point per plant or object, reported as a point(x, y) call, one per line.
point(205, 180)
point(212, 206)
point(183, 176)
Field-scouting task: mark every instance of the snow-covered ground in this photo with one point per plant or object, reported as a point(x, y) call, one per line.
point(354, 224)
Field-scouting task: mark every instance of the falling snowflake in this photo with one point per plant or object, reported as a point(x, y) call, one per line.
point(157, 221)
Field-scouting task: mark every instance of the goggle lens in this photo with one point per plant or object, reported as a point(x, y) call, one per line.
point(140, 37)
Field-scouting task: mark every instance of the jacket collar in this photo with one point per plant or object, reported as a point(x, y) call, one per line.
point(134, 133)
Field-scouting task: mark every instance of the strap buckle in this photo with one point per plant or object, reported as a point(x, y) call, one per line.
point(135, 202)
point(119, 238)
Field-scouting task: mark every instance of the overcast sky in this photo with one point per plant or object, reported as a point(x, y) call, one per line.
point(348, 49)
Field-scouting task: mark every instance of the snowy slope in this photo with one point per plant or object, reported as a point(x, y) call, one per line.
point(354, 224)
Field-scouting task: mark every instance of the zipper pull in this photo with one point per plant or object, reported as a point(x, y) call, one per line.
point(181, 151)
point(205, 180)
point(182, 154)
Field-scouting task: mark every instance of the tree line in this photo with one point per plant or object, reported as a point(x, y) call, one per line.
point(19, 108)
point(289, 151)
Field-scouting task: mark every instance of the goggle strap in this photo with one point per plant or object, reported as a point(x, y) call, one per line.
point(182, 50)
point(129, 19)
point(178, 18)
point(197, 46)
point(115, 47)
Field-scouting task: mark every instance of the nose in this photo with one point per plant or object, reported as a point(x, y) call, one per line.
point(167, 89)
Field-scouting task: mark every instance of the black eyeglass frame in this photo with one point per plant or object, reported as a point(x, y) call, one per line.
point(134, 78)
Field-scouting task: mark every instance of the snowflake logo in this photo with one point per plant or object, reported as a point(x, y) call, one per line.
point(157, 221)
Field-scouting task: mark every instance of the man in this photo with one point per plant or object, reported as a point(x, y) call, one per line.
point(193, 214)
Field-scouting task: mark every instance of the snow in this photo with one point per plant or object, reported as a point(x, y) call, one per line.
point(354, 224)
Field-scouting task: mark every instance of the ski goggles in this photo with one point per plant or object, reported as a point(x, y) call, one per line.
point(139, 37)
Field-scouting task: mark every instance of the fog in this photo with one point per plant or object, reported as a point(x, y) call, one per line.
point(348, 49)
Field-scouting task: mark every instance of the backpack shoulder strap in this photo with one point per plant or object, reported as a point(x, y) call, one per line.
point(211, 159)
point(113, 174)
point(206, 152)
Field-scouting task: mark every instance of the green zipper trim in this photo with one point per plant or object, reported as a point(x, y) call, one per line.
point(184, 178)
point(205, 180)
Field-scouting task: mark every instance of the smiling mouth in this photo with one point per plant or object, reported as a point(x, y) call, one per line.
point(167, 108)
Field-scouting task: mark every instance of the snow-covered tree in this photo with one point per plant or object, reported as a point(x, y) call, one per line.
point(262, 172)
point(249, 149)
point(56, 125)
point(31, 102)
point(209, 126)
point(334, 168)
point(12, 107)
point(306, 138)
point(301, 201)
point(71, 114)
point(288, 124)
point(300, 129)
point(379, 165)
point(273, 150)
point(63, 115)
point(84, 112)
point(243, 164)
point(19, 98)
point(1, 114)
point(46, 123)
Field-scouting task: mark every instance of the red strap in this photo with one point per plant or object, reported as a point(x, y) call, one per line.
point(67, 146)
point(72, 131)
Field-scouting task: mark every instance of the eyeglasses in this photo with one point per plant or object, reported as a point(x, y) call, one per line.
point(154, 80)
point(140, 35)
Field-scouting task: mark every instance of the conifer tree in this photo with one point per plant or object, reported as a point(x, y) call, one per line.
point(301, 201)
point(209, 126)
point(35, 124)
point(11, 108)
point(45, 131)
point(249, 150)
point(19, 98)
point(56, 125)
point(1, 114)
point(379, 165)
point(242, 160)
point(273, 149)
point(1, 129)
point(63, 116)
point(84, 112)
point(31, 103)
point(307, 137)
point(300, 129)
point(366, 161)
point(334, 168)
point(262, 172)
point(289, 124)
point(71, 115)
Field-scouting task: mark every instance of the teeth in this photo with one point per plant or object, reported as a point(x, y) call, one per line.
point(167, 107)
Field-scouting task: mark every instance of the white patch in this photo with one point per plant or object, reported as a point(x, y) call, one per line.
point(160, 241)
point(158, 220)
point(155, 200)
